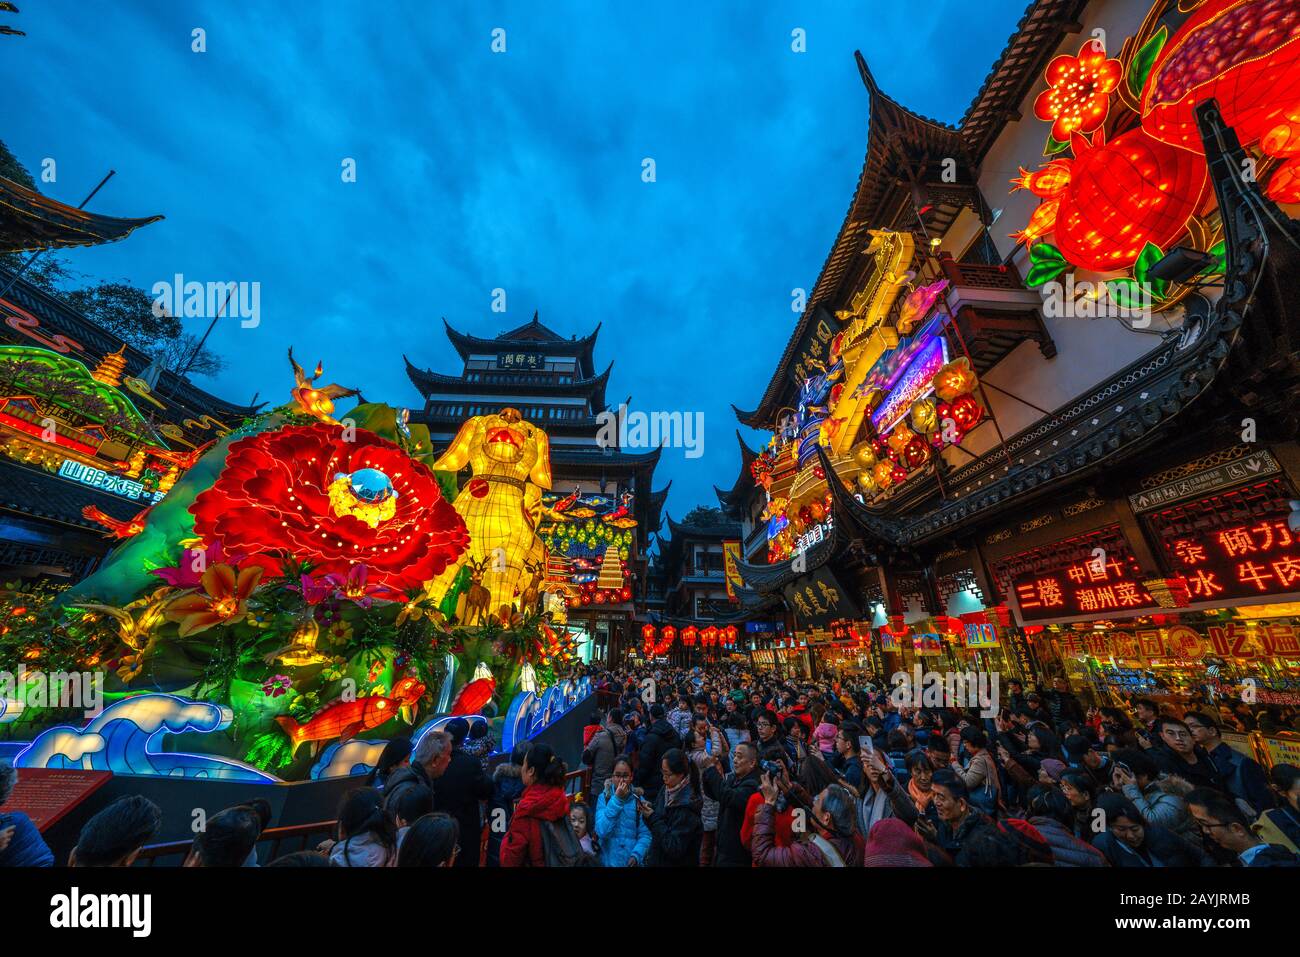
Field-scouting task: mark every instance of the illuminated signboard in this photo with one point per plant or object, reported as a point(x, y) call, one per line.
point(981, 636)
point(524, 361)
point(113, 484)
point(1093, 586)
point(912, 383)
point(1244, 561)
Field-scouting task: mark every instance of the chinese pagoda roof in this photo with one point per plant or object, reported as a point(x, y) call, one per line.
point(724, 531)
point(733, 500)
point(182, 400)
point(531, 337)
point(898, 142)
point(31, 221)
point(523, 383)
point(37, 494)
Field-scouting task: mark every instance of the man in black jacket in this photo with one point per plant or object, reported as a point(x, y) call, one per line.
point(458, 791)
point(732, 792)
point(428, 762)
point(660, 738)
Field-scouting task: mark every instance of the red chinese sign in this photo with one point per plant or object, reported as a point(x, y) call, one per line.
point(1184, 643)
point(1243, 561)
point(1105, 583)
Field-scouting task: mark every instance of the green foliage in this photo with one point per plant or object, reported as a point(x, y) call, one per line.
point(1046, 263)
point(1054, 146)
point(1150, 255)
point(270, 750)
point(1140, 68)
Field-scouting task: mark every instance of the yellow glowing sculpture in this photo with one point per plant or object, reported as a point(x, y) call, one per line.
point(316, 401)
point(510, 460)
point(954, 379)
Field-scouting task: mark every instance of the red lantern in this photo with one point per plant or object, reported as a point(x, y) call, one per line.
point(1284, 184)
point(1242, 53)
point(709, 637)
point(917, 453)
point(689, 634)
point(966, 412)
point(648, 633)
point(730, 633)
point(669, 633)
point(1125, 194)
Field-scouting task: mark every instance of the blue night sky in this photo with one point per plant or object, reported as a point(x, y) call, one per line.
point(478, 170)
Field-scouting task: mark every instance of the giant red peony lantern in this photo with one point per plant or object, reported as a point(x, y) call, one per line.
point(1243, 53)
point(1124, 194)
point(305, 492)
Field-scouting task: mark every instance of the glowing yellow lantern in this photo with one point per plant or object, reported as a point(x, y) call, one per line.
point(924, 416)
point(865, 456)
point(900, 437)
point(867, 481)
point(883, 473)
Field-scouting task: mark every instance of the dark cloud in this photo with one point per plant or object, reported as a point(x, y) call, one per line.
point(478, 171)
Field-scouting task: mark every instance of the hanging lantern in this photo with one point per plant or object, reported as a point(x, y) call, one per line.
point(866, 481)
point(954, 379)
point(966, 412)
point(709, 636)
point(917, 453)
point(648, 632)
point(899, 438)
point(865, 456)
point(924, 416)
point(689, 634)
point(1241, 53)
point(669, 633)
point(1125, 194)
point(883, 474)
point(730, 636)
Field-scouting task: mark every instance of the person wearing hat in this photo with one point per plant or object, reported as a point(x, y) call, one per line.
point(1082, 757)
point(892, 843)
point(1050, 771)
point(1035, 850)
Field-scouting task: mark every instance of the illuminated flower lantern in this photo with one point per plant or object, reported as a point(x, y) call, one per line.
point(1046, 183)
point(689, 634)
point(924, 416)
point(1125, 194)
point(501, 504)
point(883, 474)
point(1078, 91)
point(1245, 54)
point(966, 412)
point(954, 379)
point(900, 437)
point(865, 456)
point(917, 453)
point(866, 481)
point(308, 492)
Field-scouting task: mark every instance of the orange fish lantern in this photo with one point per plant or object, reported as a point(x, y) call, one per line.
point(1046, 183)
point(954, 379)
point(346, 719)
point(1245, 54)
point(474, 696)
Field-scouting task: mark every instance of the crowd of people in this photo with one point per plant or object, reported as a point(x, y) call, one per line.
point(730, 768)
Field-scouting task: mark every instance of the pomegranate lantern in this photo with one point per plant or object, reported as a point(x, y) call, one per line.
point(1124, 194)
point(1243, 53)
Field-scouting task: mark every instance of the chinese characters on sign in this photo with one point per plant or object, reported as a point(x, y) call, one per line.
point(115, 484)
point(524, 361)
point(1244, 561)
point(1105, 583)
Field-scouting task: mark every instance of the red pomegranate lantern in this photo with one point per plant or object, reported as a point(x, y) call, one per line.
point(1284, 185)
point(1243, 53)
point(1124, 194)
point(689, 634)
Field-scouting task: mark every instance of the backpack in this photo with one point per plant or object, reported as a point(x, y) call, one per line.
point(560, 846)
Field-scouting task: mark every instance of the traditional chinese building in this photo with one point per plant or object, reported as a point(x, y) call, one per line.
point(601, 507)
point(92, 431)
point(1039, 414)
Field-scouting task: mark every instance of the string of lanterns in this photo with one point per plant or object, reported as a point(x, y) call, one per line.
point(657, 642)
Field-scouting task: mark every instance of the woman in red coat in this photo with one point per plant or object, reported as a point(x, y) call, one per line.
point(543, 800)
